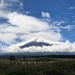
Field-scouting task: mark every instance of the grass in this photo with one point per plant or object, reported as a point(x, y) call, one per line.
point(37, 66)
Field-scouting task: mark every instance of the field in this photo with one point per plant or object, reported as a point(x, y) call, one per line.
point(37, 66)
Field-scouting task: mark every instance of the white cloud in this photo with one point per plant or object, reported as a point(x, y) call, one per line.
point(2, 6)
point(71, 8)
point(1, 3)
point(7, 38)
point(45, 14)
point(27, 23)
point(56, 47)
point(27, 12)
point(59, 25)
point(21, 4)
point(45, 34)
point(67, 27)
point(28, 26)
point(14, 0)
point(6, 6)
point(3, 14)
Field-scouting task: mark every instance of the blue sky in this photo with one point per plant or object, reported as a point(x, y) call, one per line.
point(21, 20)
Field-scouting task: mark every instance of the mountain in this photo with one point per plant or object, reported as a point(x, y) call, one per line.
point(38, 46)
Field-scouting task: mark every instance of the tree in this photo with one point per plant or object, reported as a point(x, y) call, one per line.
point(12, 58)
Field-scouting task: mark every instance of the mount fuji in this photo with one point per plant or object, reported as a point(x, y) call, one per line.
point(38, 46)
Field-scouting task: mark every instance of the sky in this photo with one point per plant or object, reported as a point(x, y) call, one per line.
point(21, 20)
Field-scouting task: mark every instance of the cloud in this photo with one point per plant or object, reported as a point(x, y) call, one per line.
point(7, 6)
point(27, 23)
point(25, 27)
point(22, 26)
point(59, 25)
point(2, 13)
point(68, 27)
point(21, 4)
point(63, 47)
point(29, 27)
point(14, 0)
point(71, 8)
point(56, 47)
point(45, 14)
point(7, 38)
point(45, 34)
point(2, 6)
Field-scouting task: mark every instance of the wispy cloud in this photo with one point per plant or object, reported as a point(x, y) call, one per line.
point(71, 8)
point(21, 4)
point(59, 24)
point(67, 27)
point(7, 6)
point(45, 14)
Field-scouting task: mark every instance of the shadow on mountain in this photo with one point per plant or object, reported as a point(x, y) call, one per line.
point(40, 44)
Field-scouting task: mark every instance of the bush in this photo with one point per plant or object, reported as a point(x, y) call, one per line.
point(12, 58)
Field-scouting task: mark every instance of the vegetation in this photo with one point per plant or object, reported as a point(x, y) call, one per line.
point(38, 66)
point(11, 58)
